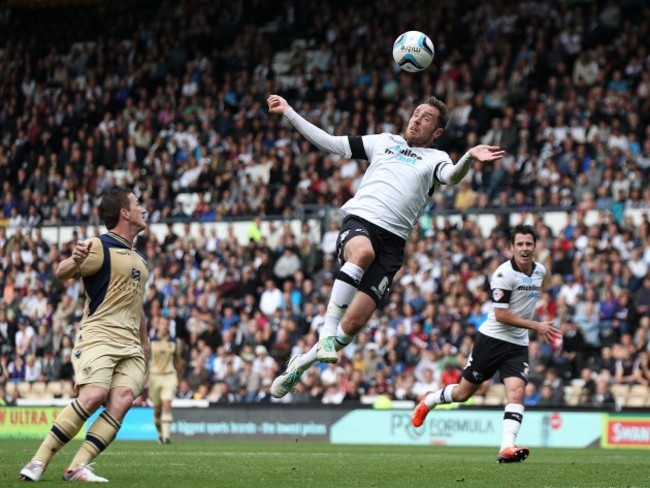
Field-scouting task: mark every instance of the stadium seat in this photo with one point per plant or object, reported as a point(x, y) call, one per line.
point(495, 389)
point(494, 400)
point(12, 389)
point(214, 393)
point(119, 175)
point(639, 390)
point(54, 387)
point(23, 387)
point(188, 201)
point(478, 399)
point(636, 401)
point(68, 389)
point(621, 393)
point(38, 387)
point(639, 396)
point(34, 395)
point(572, 394)
point(495, 394)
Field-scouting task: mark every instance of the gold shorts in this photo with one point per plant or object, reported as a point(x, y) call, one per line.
point(108, 364)
point(162, 387)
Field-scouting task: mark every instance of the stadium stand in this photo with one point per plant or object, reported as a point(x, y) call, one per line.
point(168, 98)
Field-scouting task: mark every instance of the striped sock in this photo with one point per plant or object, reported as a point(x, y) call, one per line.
point(342, 339)
point(66, 425)
point(512, 418)
point(156, 422)
point(439, 397)
point(166, 419)
point(99, 436)
point(345, 286)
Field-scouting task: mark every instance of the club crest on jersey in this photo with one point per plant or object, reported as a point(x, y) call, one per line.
point(497, 295)
point(135, 274)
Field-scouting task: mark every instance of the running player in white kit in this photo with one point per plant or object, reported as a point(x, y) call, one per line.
point(502, 341)
point(404, 172)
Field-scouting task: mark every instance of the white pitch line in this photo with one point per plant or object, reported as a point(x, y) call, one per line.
point(250, 453)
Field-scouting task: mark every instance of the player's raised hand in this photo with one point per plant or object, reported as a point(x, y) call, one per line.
point(81, 251)
point(277, 104)
point(483, 152)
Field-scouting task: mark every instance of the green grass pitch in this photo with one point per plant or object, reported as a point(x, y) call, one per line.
point(306, 465)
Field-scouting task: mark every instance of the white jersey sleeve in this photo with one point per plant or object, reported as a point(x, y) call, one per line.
point(451, 174)
point(318, 137)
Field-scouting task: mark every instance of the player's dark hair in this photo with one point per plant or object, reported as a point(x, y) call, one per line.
point(443, 119)
point(114, 200)
point(523, 229)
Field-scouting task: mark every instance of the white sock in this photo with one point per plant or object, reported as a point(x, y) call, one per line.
point(512, 418)
point(439, 397)
point(342, 339)
point(345, 286)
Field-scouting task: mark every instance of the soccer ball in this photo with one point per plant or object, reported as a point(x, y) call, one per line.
point(413, 51)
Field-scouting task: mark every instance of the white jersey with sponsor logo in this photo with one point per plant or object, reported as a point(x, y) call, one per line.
point(397, 184)
point(513, 289)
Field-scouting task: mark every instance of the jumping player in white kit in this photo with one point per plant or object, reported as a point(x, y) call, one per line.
point(502, 341)
point(404, 172)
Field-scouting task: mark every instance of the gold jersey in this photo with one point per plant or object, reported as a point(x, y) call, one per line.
point(163, 353)
point(114, 275)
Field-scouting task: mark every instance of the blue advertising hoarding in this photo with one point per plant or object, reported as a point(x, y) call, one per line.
point(467, 428)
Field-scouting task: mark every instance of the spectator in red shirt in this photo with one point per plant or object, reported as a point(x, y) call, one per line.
point(450, 374)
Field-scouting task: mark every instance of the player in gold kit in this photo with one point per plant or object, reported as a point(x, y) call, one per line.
point(164, 374)
point(111, 347)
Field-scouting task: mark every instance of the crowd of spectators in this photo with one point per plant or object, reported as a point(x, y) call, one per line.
point(177, 106)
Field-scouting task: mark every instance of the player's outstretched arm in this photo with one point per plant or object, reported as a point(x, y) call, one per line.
point(277, 104)
point(318, 137)
point(486, 153)
point(69, 268)
point(453, 174)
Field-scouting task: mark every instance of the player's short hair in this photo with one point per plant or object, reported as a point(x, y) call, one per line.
point(523, 229)
point(114, 200)
point(443, 119)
